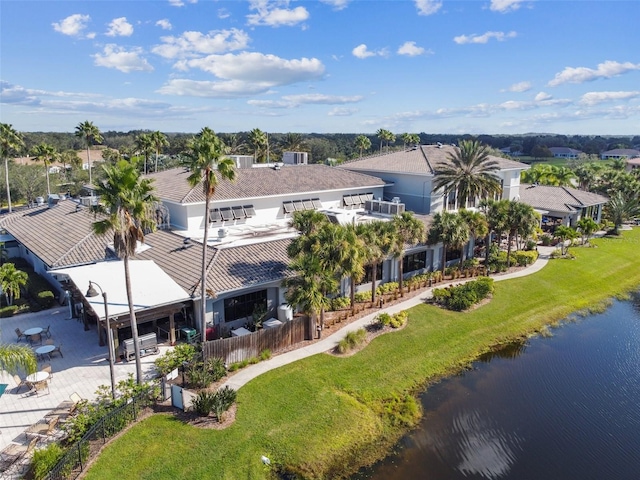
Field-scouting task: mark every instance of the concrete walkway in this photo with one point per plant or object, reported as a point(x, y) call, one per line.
point(329, 343)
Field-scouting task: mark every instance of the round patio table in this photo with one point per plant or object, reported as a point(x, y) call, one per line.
point(45, 350)
point(37, 377)
point(33, 331)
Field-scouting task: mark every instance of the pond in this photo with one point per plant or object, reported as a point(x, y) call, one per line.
point(561, 407)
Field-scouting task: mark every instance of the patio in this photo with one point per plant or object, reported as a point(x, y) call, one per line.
point(84, 367)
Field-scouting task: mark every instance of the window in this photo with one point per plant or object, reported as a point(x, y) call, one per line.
point(249, 211)
point(316, 203)
point(288, 207)
point(308, 204)
point(243, 305)
point(348, 201)
point(238, 213)
point(414, 261)
point(214, 215)
point(227, 216)
point(368, 273)
point(298, 205)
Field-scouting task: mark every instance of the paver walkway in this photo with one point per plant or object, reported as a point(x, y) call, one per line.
point(329, 343)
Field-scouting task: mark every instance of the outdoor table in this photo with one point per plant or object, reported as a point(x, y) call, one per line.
point(45, 350)
point(32, 331)
point(37, 377)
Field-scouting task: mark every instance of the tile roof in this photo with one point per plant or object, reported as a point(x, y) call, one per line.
point(258, 182)
point(558, 199)
point(420, 161)
point(629, 152)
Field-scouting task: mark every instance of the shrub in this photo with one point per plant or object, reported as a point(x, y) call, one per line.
point(44, 459)
point(546, 239)
point(352, 340)
point(203, 404)
point(46, 299)
point(224, 398)
point(387, 288)
point(175, 358)
point(8, 311)
point(441, 295)
point(265, 354)
point(383, 319)
point(402, 410)
point(202, 374)
point(524, 258)
point(399, 319)
point(339, 303)
point(461, 297)
point(362, 297)
point(531, 245)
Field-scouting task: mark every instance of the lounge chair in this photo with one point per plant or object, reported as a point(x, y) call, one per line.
point(14, 452)
point(20, 383)
point(63, 411)
point(75, 398)
point(42, 430)
point(20, 335)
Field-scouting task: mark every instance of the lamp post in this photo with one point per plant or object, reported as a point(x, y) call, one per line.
point(92, 292)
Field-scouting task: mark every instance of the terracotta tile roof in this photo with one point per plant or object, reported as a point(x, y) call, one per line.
point(420, 161)
point(258, 182)
point(558, 199)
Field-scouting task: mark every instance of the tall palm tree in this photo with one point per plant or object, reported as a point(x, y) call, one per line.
point(451, 230)
point(408, 231)
point(126, 206)
point(522, 220)
point(145, 145)
point(354, 260)
point(45, 153)
point(470, 172)
point(70, 158)
point(11, 142)
point(90, 134)
point(207, 161)
point(294, 142)
point(159, 141)
point(16, 357)
point(496, 212)
point(377, 238)
point(362, 143)
point(259, 142)
point(587, 227)
point(477, 224)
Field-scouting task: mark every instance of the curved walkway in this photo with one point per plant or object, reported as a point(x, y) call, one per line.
point(329, 343)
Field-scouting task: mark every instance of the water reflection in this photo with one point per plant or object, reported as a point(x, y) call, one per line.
point(509, 350)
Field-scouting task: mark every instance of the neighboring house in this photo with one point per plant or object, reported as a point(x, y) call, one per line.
point(623, 153)
point(565, 152)
point(410, 176)
point(562, 205)
point(632, 163)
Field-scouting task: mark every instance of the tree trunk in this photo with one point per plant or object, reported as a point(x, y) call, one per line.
point(374, 274)
point(400, 279)
point(6, 178)
point(509, 237)
point(133, 321)
point(444, 258)
point(89, 163)
point(352, 283)
point(203, 272)
point(487, 248)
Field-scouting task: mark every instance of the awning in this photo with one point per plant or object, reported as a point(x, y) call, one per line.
point(151, 287)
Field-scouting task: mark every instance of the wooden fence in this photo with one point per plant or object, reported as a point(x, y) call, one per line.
point(237, 349)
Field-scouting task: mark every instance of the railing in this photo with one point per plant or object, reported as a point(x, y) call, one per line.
point(73, 463)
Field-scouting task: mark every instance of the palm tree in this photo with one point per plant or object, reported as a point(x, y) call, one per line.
point(15, 357)
point(307, 223)
point(496, 212)
point(145, 145)
point(207, 152)
point(10, 143)
point(565, 233)
point(159, 140)
point(408, 231)
point(69, 157)
point(234, 143)
point(451, 230)
point(477, 223)
point(91, 135)
point(521, 220)
point(354, 261)
point(363, 143)
point(46, 153)
point(11, 281)
point(621, 208)
point(377, 238)
point(293, 142)
point(126, 202)
point(587, 227)
point(470, 171)
point(259, 141)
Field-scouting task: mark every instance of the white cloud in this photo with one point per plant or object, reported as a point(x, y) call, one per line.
point(519, 87)
point(321, 99)
point(594, 98)
point(606, 69)
point(428, 7)
point(180, 3)
point(361, 51)
point(190, 44)
point(165, 24)
point(270, 104)
point(244, 74)
point(411, 49)
point(500, 36)
point(504, 6)
point(270, 14)
point(542, 96)
point(337, 4)
point(73, 25)
point(119, 27)
point(117, 57)
point(342, 112)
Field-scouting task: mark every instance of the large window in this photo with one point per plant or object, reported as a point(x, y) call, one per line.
point(414, 261)
point(368, 274)
point(243, 305)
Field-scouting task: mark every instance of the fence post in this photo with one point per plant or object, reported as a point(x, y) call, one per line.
point(80, 456)
point(104, 433)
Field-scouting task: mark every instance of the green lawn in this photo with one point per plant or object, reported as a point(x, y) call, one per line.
point(325, 415)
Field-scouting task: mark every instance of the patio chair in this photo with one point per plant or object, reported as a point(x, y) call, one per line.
point(20, 335)
point(42, 386)
point(20, 383)
point(58, 350)
point(47, 368)
point(47, 331)
point(49, 342)
point(14, 452)
point(42, 430)
point(75, 398)
point(36, 339)
point(63, 411)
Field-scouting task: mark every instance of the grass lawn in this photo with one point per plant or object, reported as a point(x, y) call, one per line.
point(324, 416)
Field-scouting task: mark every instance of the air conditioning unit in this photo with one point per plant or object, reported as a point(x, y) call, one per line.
point(223, 232)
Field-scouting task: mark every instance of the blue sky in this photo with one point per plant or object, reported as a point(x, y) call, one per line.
point(325, 66)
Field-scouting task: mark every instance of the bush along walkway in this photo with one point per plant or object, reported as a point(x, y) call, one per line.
point(330, 342)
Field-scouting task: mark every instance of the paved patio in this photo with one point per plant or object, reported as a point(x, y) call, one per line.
point(84, 367)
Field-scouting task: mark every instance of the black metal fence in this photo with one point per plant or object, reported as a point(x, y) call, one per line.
point(75, 460)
